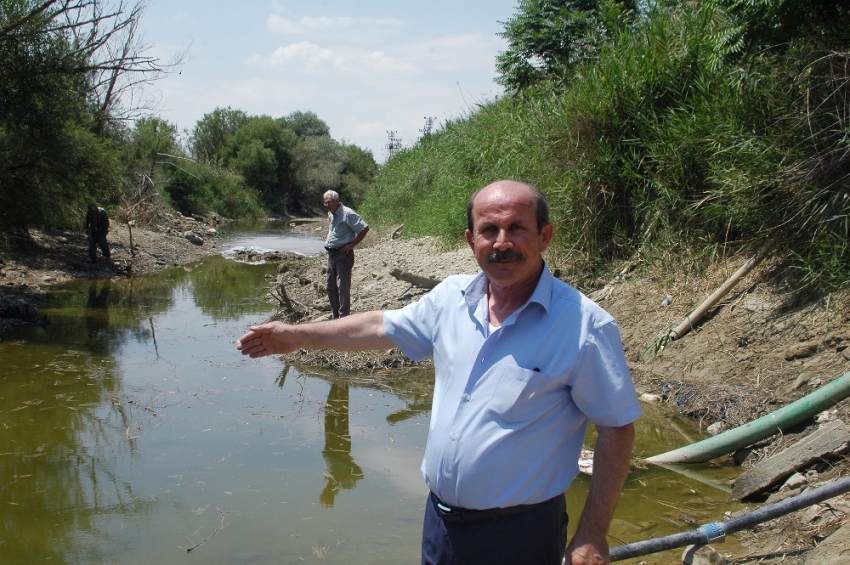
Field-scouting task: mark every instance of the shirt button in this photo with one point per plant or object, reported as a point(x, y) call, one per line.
point(448, 475)
point(468, 397)
point(454, 437)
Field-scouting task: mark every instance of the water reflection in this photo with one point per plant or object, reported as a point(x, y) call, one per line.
point(225, 290)
point(97, 318)
point(342, 473)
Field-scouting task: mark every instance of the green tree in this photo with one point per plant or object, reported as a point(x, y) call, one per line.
point(65, 65)
point(306, 124)
point(317, 163)
point(548, 37)
point(210, 135)
point(358, 173)
point(261, 150)
point(153, 140)
point(762, 24)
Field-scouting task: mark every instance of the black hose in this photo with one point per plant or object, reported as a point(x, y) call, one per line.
point(719, 530)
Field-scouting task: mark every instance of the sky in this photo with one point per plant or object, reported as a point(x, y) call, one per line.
point(365, 67)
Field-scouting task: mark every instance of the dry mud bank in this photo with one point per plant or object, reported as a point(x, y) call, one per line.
point(46, 258)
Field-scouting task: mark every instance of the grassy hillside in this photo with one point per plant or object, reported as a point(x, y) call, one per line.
point(677, 134)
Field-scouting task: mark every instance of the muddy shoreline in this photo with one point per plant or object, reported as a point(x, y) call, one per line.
point(763, 347)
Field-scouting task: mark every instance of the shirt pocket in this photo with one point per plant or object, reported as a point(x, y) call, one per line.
point(520, 395)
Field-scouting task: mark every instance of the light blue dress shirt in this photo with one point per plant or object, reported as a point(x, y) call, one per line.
point(344, 226)
point(511, 406)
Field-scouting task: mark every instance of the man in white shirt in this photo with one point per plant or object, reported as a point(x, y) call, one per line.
point(523, 362)
point(346, 230)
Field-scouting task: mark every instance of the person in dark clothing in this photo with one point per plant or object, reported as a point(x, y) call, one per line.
point(97, 228)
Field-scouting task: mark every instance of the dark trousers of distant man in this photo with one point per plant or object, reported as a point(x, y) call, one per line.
point(340, 266)
point(535, 536)
point(97, 238)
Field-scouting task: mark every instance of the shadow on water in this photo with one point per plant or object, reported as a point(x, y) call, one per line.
point(131, 430)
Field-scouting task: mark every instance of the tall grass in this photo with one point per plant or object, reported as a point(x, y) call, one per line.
point(660, 142)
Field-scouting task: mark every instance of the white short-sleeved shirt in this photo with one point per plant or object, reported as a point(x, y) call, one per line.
point(345, 224)
point(511, 406)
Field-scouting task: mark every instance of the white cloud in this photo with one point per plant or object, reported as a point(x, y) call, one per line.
point(310, 25)
point(308, 57)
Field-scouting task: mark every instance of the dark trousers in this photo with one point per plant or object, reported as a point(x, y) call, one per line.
point(535, 537)
point(340, 266)
point(97, 238)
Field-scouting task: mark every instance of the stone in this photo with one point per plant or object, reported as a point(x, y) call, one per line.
point(193, 237)
point(834, 550)
point(716, 428)
point(782, 495)
point(650, 398)
point(795, 481)
point(702, 555)
point(800, 351)
point(802, 380)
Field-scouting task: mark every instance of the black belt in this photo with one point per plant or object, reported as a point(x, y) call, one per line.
point(466, 516)
point(333, 248)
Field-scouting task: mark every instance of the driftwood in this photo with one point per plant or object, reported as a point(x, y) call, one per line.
point(829, 441)
point(688, 323)
point(416, 280)
point(287, 304)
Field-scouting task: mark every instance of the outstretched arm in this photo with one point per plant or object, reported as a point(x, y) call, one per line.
point(611, 457)
point(358, 332)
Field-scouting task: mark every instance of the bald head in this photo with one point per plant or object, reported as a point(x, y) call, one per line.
point(513, 187)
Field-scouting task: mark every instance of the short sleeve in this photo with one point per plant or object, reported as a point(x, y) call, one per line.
point(355, 222)
point(602, 387)
point(411, 328)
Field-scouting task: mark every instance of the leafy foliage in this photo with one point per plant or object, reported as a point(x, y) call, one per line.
point(65, 66)
point(668, 136)
point(210, 134)
point(548, 37)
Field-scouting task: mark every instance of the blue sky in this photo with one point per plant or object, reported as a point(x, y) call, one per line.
point(364, 67)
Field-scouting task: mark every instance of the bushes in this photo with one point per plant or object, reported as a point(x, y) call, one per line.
point(667, 138)
point(199, 188)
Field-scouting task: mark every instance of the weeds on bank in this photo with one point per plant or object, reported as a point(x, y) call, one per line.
point(663, 142)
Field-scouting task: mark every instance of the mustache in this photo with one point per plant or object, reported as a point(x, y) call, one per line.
point(504, 256)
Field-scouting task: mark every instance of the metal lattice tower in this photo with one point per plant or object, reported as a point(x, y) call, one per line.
point(393, 145)
point(429, 125)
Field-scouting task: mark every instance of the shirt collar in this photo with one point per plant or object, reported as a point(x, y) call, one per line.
point(477, 289)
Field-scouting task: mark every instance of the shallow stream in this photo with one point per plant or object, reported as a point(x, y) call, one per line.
point(132, 431)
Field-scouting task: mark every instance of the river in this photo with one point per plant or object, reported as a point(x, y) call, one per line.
point(132, 431)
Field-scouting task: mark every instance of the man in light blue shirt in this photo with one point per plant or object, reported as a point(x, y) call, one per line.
point(345, 231)
point(523, 362)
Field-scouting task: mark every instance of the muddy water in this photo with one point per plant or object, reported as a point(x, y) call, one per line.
point(132, 432)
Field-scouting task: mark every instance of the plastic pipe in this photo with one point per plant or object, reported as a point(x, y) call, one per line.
point(714, 531)
point(757, 430)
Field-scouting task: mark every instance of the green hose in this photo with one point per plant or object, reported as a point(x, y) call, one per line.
point(757, 430)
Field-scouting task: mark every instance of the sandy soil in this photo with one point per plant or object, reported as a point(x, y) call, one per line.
point(761, 348)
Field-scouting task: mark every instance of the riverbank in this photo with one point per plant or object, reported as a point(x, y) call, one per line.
point(47, 258)
point(761, 348)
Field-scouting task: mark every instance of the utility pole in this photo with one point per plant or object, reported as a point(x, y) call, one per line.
point(429, 125)
point(393, 145)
